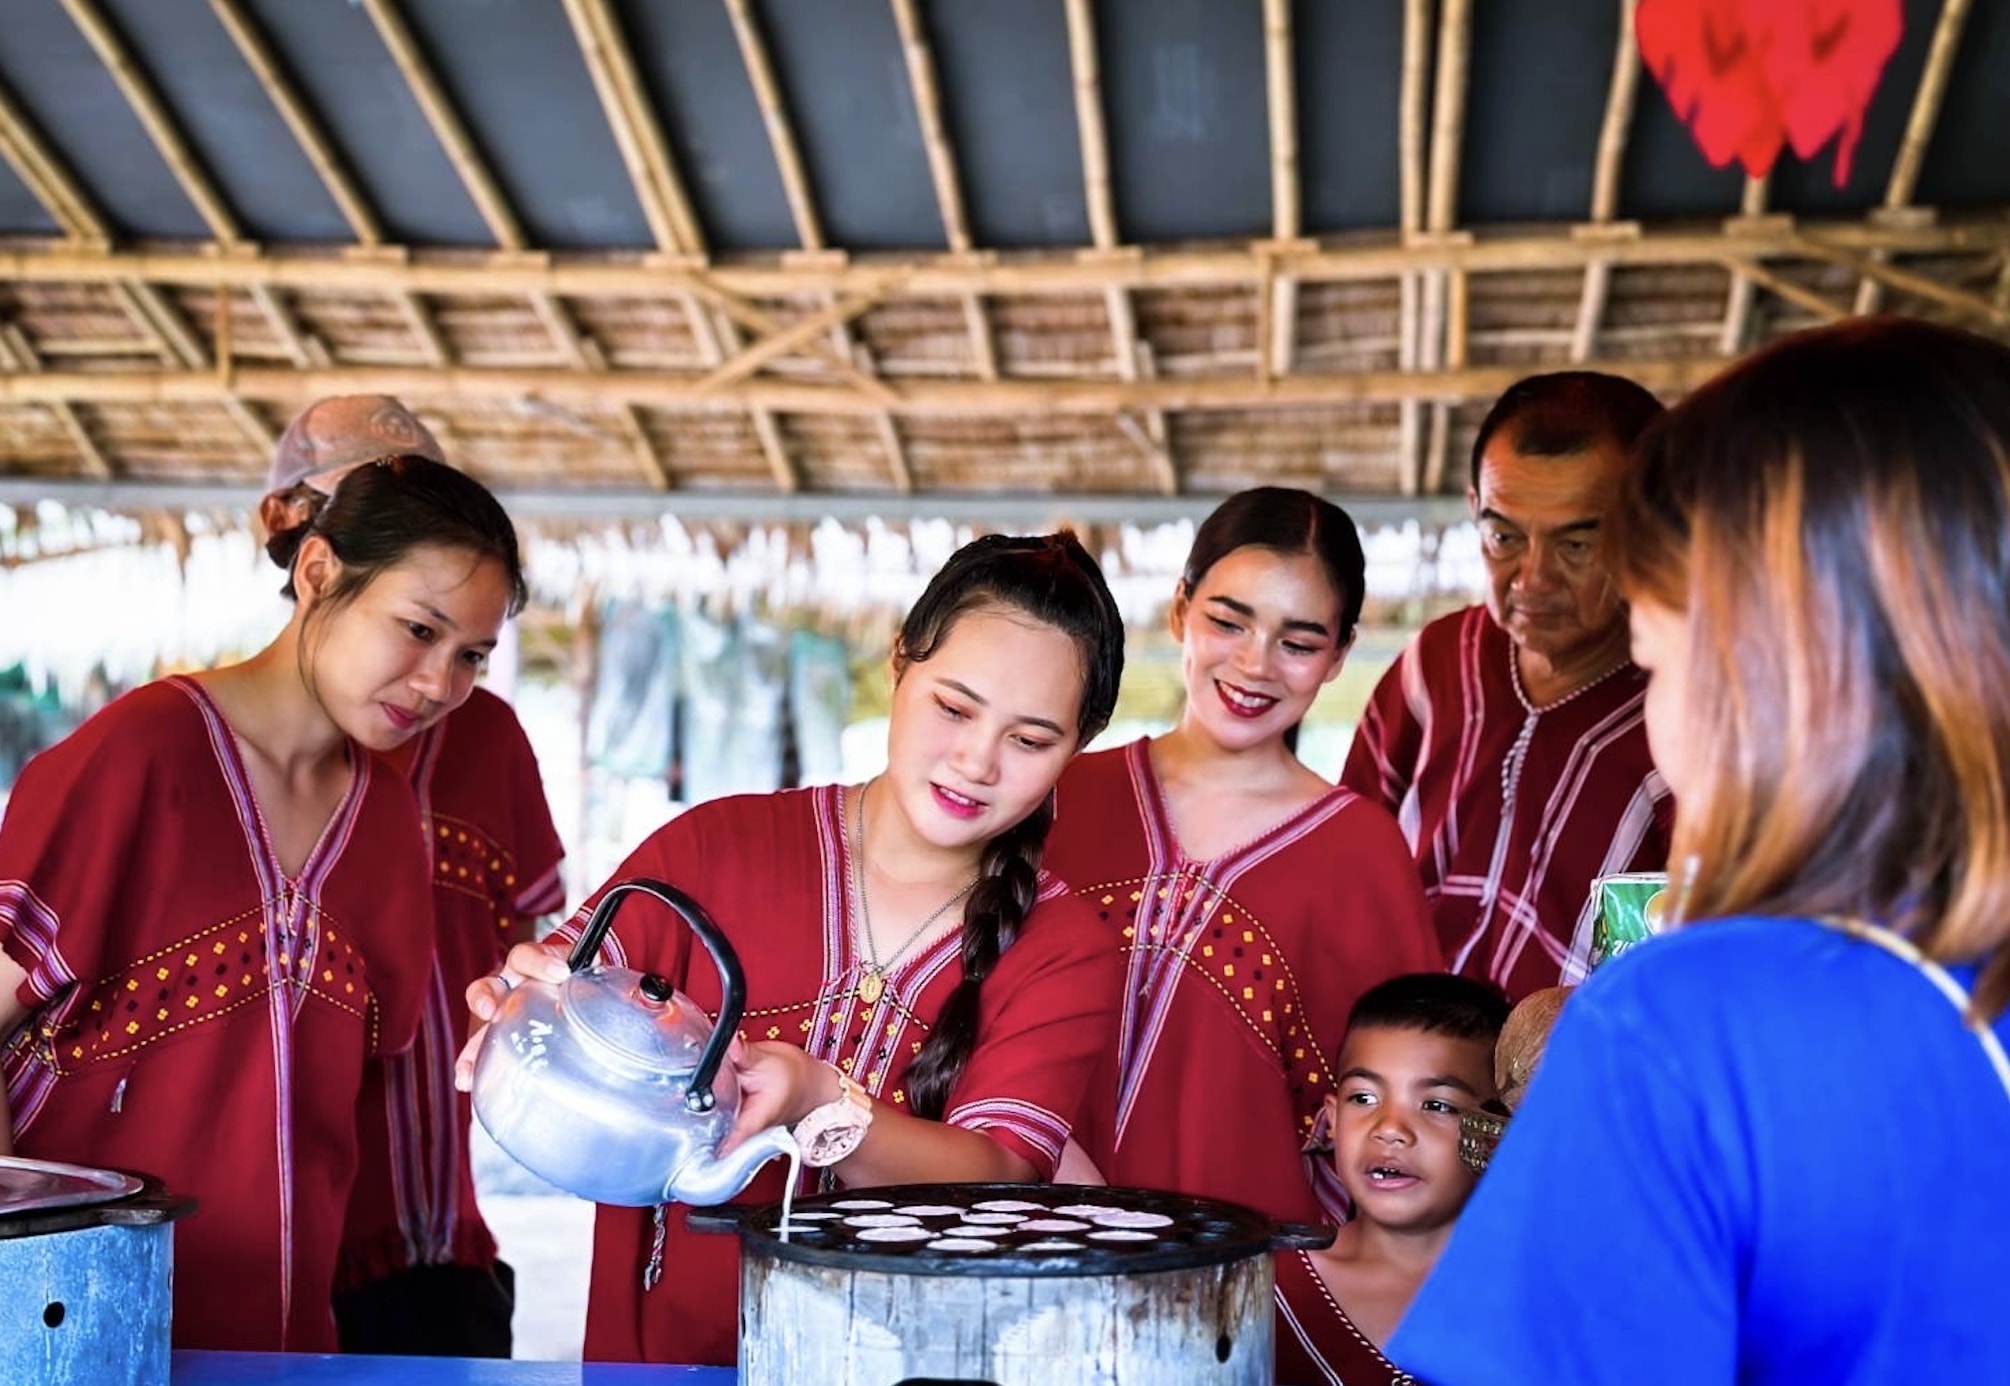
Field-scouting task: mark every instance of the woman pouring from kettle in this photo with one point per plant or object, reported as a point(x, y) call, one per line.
point(922, 1003)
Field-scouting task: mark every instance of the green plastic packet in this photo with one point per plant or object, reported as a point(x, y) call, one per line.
point(1630, 906)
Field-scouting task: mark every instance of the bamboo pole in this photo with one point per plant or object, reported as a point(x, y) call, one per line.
point(1411, 172)
point(445, 123)
point(305, 349)
point(1919, 127)
point(158, 320)
point(929, 398)
point(896, 454)
point(839, 357)
point(419, 321)
point(637, 132)
point(984, 349)
point(307, 131)
point(934, 276)
point(1448, 113)
point(153, 117)
point(1619, 104)
point(1787, 289)
point(1738, 302)
point(1281, 99)
point(46, 177)
point(18, 353)
point(1135, 363)
point(649, 458)
point(715, 341)
point(1087, 74)
point(1920, 285)
point(775, 116)
point(752, 358)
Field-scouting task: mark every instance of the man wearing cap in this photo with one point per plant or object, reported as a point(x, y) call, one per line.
point(418, 1273)
point(1509, 739)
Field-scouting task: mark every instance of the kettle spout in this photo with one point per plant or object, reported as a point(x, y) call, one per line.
point(707, 1179)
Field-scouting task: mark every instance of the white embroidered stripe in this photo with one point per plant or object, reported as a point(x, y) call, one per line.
point(1033, 1124)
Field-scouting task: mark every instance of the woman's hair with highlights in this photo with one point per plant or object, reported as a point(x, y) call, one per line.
point(1833, 516)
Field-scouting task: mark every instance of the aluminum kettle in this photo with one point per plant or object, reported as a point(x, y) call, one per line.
point(608, 1085)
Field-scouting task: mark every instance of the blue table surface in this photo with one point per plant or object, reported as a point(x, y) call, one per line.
point(244, 1368)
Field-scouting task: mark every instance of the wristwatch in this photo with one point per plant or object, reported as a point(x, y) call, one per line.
point(833, 1131)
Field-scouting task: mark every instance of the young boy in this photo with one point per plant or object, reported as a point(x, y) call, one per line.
point(1419, 1051)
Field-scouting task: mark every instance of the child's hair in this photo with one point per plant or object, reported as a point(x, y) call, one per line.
point(1287, 521)
point(1436, 1003)
point(1052, 579)
point(383, 510)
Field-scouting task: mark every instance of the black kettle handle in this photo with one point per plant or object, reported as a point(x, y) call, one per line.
point(732, 981)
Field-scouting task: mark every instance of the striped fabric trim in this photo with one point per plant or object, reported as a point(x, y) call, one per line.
point(1031, 1123)
point(545, 895)
point(30, 1074)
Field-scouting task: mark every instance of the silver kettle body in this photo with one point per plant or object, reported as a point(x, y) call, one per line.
point(611, 1085)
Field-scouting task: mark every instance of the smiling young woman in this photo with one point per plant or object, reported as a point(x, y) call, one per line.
point(213, 901)
point(1255, 901)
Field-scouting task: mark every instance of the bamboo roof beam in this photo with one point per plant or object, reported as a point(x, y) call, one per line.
point(304, 348)
point(941, 153)
point(896, 454)
point(307, 132)
point(938, 398)
point(1135, 364)
point(649, 458)
point(162, 324)
point(252, 424)
point(750, 359)
point(47, 178)
point(1620, 99)
point(1909, 282)
point(754, 320)
point(1045, 274)
point(153, 116)
point(1411, 172)
point(1276, 349)
point(775, 116)
point(714, 341)
point(637, 132)
point(1448, 116)
point(18, 353)
point(1919, 127)
point(1786, 288)
point(1738, 301)
point(1086, 71)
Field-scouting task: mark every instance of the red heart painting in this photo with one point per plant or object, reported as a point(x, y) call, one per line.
point(1751, 76)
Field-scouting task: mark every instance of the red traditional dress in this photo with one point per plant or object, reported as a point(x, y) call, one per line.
point(1317, 1344)
point(771, 870)
point(199, 1016)
point(495, 857)
point(1512, 810)
point(1240, 974)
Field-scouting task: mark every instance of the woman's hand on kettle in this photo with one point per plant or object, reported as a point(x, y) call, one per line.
point(779, 1085)
point(535, 962)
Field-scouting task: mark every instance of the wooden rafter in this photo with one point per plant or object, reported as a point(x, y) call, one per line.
point(649, 458)
point(306, 350)
point(1738, 301)
point(46, 177)
point(775, 116)
point(673, 391)
point(18, 353)
point(1277, 309)
point(896, 453)
point(1039, 275)
point(1909, 282)
point(1448, 114)
point(1411, 174)
point(927, 91)
point(307, 132)
point(637, 133)
point(714, 339)
point(1789, 290)
point(780, 343)
point(153, 116)
point(1619, 103)
point(419, 321)
point(1919, 128)
point(1088, 82)
point(1134, 364)
point(754, 320)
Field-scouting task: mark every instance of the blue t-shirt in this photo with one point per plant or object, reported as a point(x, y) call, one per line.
point(1755, 1151)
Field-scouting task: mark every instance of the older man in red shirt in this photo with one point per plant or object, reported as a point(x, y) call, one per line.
point(1508, 739)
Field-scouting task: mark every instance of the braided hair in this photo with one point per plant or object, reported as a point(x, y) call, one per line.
point(1052, 579)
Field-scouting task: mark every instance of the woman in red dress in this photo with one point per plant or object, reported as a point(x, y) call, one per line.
point(214, 907)
point(1255, 901)
point(905, 954)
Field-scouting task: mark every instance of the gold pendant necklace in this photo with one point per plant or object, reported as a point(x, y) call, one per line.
point(873, 973)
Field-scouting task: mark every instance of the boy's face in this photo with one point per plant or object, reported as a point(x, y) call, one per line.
point(1395, 1119)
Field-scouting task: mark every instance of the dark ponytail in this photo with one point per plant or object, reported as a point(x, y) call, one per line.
point(1052, 579)
point(381, 511)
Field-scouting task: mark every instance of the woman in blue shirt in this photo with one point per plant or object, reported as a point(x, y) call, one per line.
point(1775, 1147)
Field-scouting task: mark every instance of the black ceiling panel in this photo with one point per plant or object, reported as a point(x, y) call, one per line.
point(20, 213)
point(1538, 79)
point(1189, 127)
point(344, 74)
point(1009, 102)
point(85, 121)
point(1349, 61)
point(1968, 162)
point(515, 74)
point(841, 72)
point(1664, 175)
point(691, 66)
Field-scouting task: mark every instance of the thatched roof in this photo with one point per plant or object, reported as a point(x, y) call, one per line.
point(774, 257)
